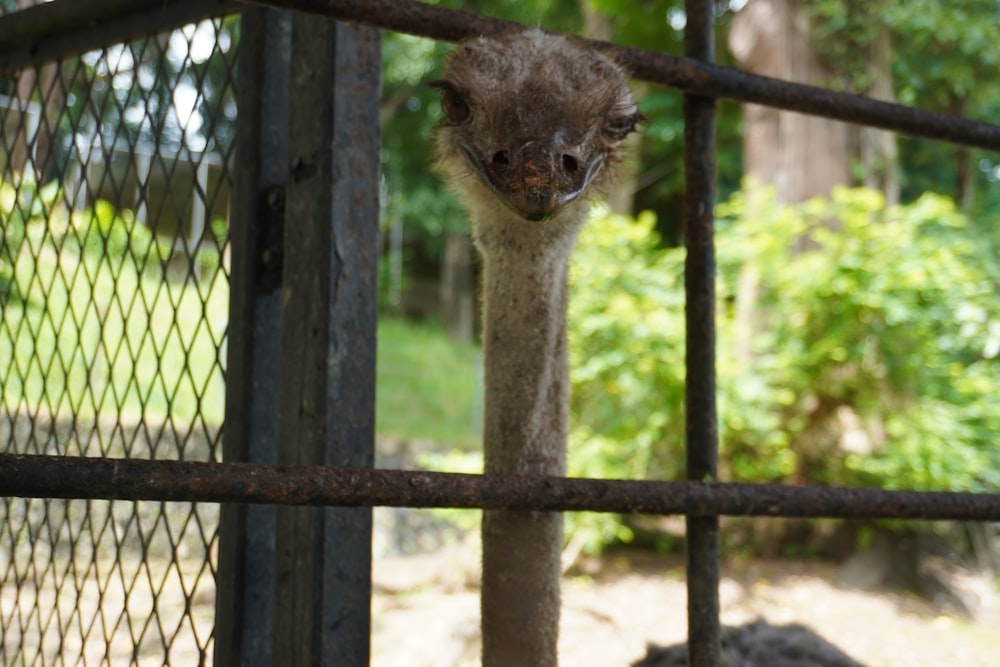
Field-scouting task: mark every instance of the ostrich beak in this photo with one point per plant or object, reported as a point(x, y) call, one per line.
point(536, 179)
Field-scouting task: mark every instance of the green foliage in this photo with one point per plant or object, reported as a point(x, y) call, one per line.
point(626, 320)
point(413, 194)
point(945, 53)
point(659, 26)
point(429, 393)
point(627, 329)
point(881, 337)
point(944, 48)
point(875, 359)
point(17, 207)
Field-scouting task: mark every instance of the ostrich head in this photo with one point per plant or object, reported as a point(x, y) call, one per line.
point(531, 120)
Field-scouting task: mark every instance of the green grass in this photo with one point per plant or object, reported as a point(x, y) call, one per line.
point(429, 386)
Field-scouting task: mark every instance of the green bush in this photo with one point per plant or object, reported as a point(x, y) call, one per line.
point(627, 351)
point(870, 356)
point(881, 336)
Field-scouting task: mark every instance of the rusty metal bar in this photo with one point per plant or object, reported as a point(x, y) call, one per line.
point(245, 578)
point(35, 476)
point(64, 28)
point(688, 74)
point(701, 426)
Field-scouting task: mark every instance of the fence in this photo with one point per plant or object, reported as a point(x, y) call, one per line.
point(122, 362)
point(113, 332)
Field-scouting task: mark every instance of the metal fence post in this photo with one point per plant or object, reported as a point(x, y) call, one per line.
point(703, 551)
point(246, 533)
point(323, 560)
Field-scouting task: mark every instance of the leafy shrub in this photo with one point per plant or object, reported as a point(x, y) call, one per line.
point(881, 337)
point(857, 344)
point(627, 354)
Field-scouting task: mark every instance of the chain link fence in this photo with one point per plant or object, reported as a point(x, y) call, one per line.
point(114, 196)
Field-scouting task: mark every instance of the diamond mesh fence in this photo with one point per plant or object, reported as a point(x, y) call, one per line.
point(114, 202)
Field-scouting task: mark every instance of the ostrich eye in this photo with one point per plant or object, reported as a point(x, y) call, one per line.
point(618, 128)
point(453, 103)
point(455, 107)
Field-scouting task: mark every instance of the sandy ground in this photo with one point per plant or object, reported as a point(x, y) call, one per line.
point(119, 608)
point(425, 612)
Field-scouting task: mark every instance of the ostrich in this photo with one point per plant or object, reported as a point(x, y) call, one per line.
point(532, 124)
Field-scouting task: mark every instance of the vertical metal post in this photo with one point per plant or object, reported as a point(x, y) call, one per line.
point(245, 578)
point(323, 560)
point(701, 428)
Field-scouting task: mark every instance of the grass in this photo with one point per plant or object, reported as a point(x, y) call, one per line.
point(429, 386)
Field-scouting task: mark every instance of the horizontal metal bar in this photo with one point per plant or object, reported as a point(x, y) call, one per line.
point(36, 476)
point(687, 74)
point(69, 27)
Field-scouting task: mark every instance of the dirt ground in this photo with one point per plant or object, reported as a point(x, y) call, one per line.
point(148, 607)
point(425, 612)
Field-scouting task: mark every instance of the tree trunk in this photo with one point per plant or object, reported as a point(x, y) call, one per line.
point(800, 156)
point(33, 143)
point(879, 154)
point(964, 173)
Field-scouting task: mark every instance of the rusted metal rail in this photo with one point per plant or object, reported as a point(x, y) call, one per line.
point(687, 74)
point(36, 476)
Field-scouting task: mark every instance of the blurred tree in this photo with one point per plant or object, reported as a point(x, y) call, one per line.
point(659, 185)
point(30, 124)
point(129, 93)
point(800, 156)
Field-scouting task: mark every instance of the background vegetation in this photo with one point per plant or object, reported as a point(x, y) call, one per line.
point(875, 363)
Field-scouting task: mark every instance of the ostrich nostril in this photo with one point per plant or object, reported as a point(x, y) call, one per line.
point(570, 164)
point(501, 160)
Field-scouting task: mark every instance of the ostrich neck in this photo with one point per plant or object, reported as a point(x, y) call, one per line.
point(525, 268)
point(524, 347)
